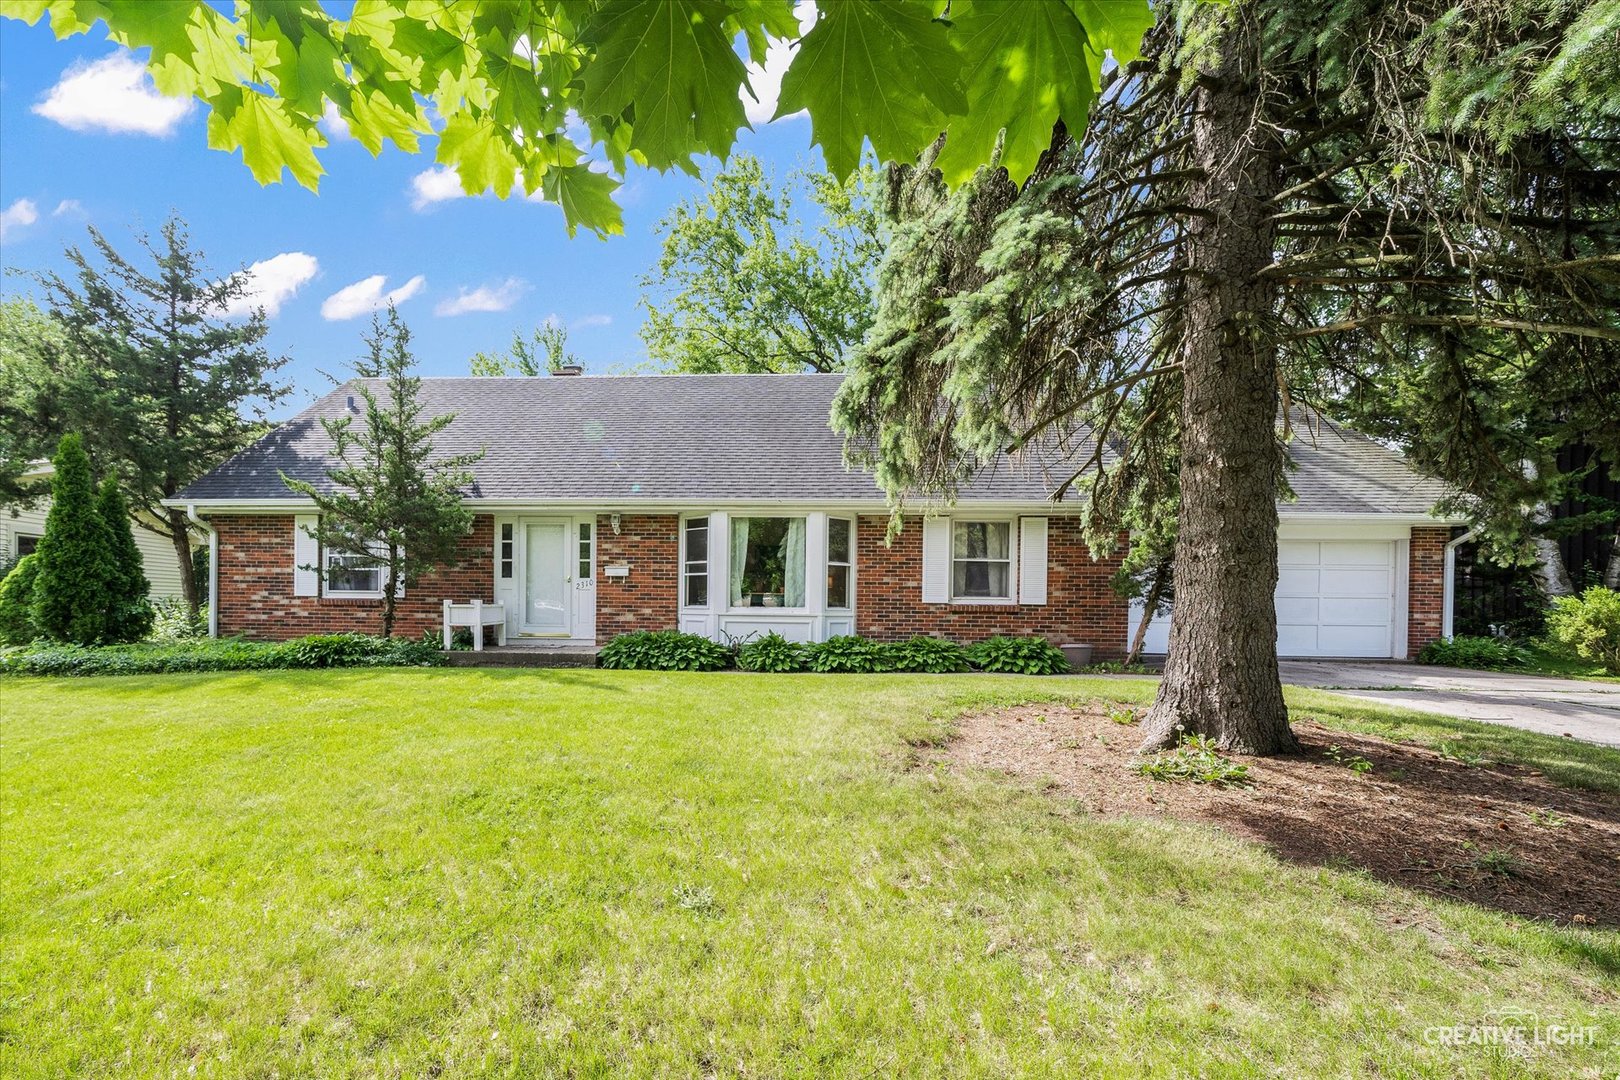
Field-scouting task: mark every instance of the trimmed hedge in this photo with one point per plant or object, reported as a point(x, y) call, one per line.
point(671, 650)
point(225, 654)
point(663, 650)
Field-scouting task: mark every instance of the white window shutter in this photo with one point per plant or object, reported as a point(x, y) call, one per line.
point(1032, 560)
point(936, 561)
point(306, 556)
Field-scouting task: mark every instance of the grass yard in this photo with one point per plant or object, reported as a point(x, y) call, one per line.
point(587, 873)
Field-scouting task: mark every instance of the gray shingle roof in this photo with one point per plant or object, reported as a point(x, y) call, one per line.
point(712, 438)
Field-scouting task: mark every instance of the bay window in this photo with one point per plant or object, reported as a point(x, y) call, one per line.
point(767, 562)
point(981, 560)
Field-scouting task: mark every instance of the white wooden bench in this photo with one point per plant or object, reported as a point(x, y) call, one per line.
point(475, 616)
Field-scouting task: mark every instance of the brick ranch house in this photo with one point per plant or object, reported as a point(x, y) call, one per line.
point(720, 505)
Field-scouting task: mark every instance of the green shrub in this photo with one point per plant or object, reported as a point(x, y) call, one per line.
point(774, 653)
point(225, 654)
point(663, 650)
point(77, 574)
point(129, 612)
point(1194, 760)
point(928, 654)
point(1018, 656)
point(16, 603)
point(1491, 654)
point(1589, 626)
point(172, 621)
point(849, 654)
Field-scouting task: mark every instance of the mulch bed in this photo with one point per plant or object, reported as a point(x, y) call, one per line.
point(1497, 835)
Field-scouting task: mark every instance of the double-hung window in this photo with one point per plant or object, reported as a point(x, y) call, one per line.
point(353, 575)
point(981, 560)
point(695, 567)
point(840, 552)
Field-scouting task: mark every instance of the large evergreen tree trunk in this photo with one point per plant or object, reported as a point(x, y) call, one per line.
point(179, 534)
point(1221, 676)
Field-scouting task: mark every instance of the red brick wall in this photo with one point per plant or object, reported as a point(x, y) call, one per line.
point(1080, 606)
point(256, 584)
point(649, 598)
point(1425, 589)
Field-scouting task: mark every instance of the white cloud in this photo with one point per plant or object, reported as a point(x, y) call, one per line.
point(68, 206)
point(436, 185)
point(112, 94)
point(591, 320)
point(483, 298)
point(366, 295)
point(272, 282)
point(22, 213)
point(766, 79)
point(332, 122)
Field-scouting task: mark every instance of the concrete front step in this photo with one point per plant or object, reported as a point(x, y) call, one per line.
point(523, 656)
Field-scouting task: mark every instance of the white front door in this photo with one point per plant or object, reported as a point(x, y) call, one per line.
point(547, 585)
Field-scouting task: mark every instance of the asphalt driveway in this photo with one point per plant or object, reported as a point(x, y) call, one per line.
point(1577, 708)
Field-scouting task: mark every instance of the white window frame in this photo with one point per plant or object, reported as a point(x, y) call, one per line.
point(328, 555)
point(707, 562)
point(731, 524)
point(17, 541)
point(1011, 598)
point(827, 570)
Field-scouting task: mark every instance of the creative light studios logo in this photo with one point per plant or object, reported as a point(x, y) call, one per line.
point(1513, 1028)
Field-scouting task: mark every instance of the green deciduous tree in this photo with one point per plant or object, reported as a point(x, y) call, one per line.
point(76, 578)
point(743, 285)
point(34, 398)
point(391, 497)
point(129, 610)
point(655, 82)
point(1279, 203)
point(162, 384)
point(544, 352)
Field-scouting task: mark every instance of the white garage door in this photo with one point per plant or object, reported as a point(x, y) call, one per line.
point(1334, 598)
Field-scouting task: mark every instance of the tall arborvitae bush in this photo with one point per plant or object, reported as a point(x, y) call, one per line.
point(129, 611)
point(76, 571)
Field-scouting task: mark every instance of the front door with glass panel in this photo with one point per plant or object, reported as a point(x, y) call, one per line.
point(547, 584)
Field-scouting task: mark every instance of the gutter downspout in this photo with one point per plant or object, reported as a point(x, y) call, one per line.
point(1448, 587)
point(213, 570)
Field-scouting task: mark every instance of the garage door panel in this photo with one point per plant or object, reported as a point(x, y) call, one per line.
point(1296, 640)
point(1296, 582)
point(1352, 641)
point(1299, 553)
point(1294, 610)
point(1356, 583)
point(1354, 611)
point(1357, 553)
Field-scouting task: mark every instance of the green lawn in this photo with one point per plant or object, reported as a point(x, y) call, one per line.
point(480, 872)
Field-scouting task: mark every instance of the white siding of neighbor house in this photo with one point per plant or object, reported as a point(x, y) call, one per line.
point(158, 561)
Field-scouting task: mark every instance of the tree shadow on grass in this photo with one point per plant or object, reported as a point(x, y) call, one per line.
point(1458, 826)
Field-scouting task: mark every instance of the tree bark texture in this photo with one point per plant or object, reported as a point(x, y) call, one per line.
point(1220, 678)
point(180, 535)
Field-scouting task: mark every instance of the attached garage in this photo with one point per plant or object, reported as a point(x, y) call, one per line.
point(1339, 598)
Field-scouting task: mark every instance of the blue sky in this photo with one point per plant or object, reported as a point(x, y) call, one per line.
point(61, 169)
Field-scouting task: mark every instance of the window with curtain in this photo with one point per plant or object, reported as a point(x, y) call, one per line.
point(767, 562)
point(695, 568)
point(355, 575)
point(839, 544)
point(981, 560)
